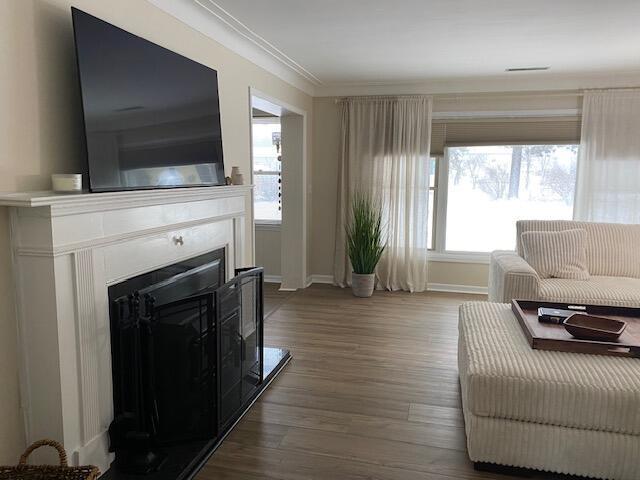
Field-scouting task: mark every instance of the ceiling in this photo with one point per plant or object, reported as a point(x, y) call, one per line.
point(376, 42)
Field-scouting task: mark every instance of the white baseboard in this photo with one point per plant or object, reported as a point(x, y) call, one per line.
point(452, 288)
point(320, 279)
point(278, 279)
point(432, 287)
point(273, 279)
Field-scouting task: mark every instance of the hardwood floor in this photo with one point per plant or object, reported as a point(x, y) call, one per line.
point(274, 298)
point(371, 393)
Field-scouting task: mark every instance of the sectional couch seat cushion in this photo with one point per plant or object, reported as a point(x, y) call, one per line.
point(554, 411)
point(618, 291)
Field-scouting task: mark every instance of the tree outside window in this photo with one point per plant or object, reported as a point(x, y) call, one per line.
point(491, 187)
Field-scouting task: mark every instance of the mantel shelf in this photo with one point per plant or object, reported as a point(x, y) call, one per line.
point(86, 202)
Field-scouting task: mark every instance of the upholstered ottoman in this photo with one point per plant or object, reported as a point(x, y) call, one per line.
point(554, 411)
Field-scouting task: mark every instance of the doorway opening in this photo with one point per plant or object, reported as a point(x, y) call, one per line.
point(278, 173)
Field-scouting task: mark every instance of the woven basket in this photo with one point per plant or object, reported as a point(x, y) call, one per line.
point(47, 472)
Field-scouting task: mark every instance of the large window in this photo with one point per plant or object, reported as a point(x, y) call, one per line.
point(266, 170)
point(488, 188)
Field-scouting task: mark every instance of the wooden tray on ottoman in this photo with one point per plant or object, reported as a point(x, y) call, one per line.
point(548, 336)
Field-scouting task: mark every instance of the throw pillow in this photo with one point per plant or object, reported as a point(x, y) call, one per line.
point(557, 254)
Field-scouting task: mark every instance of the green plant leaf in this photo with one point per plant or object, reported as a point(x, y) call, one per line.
point(364, 234)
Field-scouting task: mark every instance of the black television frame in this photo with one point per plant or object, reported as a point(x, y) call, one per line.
point(85, 147)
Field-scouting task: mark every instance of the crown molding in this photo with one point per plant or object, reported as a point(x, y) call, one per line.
point(241, 29)
point(208, 18)
point(513, 82)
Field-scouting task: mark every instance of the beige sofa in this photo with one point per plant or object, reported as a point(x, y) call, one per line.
point(613, 261)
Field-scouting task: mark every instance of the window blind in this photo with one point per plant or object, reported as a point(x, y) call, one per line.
point(503, 131)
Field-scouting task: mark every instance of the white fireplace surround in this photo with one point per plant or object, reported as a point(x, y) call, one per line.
point(67, 250)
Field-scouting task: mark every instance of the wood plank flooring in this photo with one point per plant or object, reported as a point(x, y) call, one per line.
point(274, 298)
point(371, 393)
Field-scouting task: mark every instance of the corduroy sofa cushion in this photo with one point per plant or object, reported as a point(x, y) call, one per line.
point(557, 254)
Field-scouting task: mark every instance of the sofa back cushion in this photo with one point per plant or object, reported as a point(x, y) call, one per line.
point(612, 249)
point(557, 254)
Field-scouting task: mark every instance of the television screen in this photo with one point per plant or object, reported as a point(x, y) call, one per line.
point(151, 116)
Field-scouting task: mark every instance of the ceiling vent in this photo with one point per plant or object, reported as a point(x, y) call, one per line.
point(526, 69)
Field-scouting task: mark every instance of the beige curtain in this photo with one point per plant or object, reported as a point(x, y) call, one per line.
point(608, 186)
point(384, 150)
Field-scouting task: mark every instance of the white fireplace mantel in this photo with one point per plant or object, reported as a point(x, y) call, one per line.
point(67, 250)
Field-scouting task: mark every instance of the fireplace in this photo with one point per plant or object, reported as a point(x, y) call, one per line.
point(71, 253)
point(187, 355)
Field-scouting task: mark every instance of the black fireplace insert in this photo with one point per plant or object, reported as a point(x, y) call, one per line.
point(187, 357)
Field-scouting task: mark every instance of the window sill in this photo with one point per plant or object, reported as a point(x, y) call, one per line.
point(268, 225)
point(459, 257)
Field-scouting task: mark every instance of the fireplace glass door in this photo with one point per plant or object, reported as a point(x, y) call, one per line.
point(183, 369)
point(239, 316)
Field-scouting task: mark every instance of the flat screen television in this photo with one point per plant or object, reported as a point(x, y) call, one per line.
point(151, 116)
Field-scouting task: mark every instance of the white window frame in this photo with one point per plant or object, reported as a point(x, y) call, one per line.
point(265, 223)
point(439, 160)
point(262, 221)
point(439, 253)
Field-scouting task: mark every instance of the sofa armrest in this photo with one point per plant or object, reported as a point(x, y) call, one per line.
point(510, 276)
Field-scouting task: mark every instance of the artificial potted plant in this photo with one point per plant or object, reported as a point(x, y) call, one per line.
point(364, 243)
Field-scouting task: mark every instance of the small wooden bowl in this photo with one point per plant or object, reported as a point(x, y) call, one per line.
point(589, 327)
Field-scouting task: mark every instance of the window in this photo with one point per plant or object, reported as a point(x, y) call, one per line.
point(266, 170)
point(488, 188)
point(434, 162)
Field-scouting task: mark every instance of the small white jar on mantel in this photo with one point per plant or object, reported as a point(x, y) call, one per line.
point(66, 182)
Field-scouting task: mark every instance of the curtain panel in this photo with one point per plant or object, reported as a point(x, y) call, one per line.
point(384, 152)
point(608, 184)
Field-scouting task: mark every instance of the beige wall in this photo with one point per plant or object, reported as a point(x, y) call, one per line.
point(456, 273)
point(325, 185)
point(40, 124)
point(325, 172)
point(268, 250)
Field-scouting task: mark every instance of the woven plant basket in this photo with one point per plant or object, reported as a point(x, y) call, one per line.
point(48, 472)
